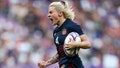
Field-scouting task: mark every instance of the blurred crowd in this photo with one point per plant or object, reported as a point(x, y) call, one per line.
point(26, 32)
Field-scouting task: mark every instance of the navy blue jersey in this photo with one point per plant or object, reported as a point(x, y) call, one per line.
point(59, 35)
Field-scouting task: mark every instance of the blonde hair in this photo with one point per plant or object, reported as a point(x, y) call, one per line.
point(65, 8)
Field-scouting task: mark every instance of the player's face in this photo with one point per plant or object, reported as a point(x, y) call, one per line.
point(53, 15)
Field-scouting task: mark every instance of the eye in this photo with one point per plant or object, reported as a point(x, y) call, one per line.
point(50, 12)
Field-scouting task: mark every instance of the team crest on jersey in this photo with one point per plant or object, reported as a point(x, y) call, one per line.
point(64, 31)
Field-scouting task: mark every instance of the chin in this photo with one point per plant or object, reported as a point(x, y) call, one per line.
point(54, 23)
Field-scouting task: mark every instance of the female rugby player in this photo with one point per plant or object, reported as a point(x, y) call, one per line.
point(61, 14)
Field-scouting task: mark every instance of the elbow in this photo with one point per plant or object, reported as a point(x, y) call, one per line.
point(89, 45)
point(85, 45)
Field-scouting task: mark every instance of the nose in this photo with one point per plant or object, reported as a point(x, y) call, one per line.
point(48, 15)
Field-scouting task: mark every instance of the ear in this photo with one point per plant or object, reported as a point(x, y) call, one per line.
point(60, 14)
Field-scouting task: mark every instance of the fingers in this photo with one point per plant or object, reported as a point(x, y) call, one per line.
point(70, 44)
point(67, 47)
point(63, 66)
point(41, 64)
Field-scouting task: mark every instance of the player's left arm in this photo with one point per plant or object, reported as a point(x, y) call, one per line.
point(85, 43)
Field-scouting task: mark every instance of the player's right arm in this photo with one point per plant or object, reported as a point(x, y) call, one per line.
point(52, 60)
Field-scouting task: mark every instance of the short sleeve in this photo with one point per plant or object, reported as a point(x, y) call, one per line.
point(76, 28)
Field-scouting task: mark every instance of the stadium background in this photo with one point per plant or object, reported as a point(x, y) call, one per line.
point(26, 32)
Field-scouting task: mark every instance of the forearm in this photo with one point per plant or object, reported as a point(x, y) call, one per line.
point(83, 44)
point(52, 60)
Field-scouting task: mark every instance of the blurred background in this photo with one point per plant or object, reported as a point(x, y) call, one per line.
point(26, 32)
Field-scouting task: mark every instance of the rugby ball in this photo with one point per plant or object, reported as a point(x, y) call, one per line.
point(76, 37)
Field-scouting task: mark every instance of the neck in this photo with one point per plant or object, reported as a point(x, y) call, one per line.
point(61, 22)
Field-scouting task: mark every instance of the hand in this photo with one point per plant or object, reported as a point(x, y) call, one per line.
point(42, 64)
point(70, 45)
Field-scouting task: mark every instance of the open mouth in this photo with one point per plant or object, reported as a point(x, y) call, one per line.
point(51, 19)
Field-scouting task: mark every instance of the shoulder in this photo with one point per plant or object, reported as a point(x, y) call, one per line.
point(73, 25)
